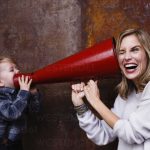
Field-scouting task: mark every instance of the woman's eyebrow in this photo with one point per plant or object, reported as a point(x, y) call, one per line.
point(136, 46)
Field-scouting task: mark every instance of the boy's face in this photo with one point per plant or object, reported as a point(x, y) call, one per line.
point(7, 72)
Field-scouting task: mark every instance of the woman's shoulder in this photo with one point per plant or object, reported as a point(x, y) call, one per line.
point(148, 84)
point(119, 99)
point(146, 92)
point(147, 87)
point(119, 105)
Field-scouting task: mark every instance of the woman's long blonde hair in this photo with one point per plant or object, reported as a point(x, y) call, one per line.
point(126, 86)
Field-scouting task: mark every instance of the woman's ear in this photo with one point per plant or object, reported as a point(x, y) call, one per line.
point(1, 83)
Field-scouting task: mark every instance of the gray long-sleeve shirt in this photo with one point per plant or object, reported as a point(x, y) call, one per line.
point(133, 127)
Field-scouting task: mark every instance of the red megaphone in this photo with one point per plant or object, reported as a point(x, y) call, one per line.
point(98, 61)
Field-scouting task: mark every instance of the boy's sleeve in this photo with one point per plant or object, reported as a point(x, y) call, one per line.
point(11, 110)
point(34, 104)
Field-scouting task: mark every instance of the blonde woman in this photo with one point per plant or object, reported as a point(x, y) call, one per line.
point(129, 119)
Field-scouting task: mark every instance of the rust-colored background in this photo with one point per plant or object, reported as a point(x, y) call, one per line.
point(39, 32)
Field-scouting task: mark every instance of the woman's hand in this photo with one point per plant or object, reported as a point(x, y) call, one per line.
point(78, 94)
point(24, 83)
point(92, 92)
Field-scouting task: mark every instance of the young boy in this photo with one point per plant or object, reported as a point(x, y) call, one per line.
point(14, 104)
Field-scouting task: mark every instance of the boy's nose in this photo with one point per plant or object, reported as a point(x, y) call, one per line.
point(17, 71)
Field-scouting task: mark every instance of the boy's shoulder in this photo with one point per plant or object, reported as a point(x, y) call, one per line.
point(5, 91)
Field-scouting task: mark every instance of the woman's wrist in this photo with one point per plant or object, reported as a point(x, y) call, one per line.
point(81, 109)
point(95, 102)
point(77, 102)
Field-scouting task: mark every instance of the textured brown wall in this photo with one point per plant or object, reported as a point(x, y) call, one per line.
point(40, 32)
point(106, 18)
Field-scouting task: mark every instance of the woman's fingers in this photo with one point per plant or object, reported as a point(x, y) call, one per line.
point(78, 87)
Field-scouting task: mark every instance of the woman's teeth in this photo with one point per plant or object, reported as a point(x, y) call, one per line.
point(130, 66)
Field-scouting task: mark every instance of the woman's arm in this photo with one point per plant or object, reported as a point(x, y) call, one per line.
point(97, 130)
point(93, 96)
point(136, 128)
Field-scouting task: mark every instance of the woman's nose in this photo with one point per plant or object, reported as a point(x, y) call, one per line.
point(127, 55)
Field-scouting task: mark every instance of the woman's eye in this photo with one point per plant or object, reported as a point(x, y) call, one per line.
point(135, 49)
point(121, 52)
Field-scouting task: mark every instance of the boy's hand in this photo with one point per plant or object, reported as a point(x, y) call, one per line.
point(25, 83)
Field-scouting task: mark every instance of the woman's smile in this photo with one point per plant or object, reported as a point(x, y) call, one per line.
point(132, 58)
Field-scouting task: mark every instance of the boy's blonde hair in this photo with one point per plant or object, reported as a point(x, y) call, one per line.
point(4, 59)
point(7, 59)
point(126, 86)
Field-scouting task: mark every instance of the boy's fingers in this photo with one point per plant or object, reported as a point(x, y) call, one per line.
point(22, 77)
point(19, 80)
point(26, 79)
point(30, 81)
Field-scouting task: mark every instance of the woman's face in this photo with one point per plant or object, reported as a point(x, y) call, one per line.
point(132, 58)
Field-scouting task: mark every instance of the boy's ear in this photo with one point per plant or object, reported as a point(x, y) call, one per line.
point(1, 83)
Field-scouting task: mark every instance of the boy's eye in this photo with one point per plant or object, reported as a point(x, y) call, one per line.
point(12, 70)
